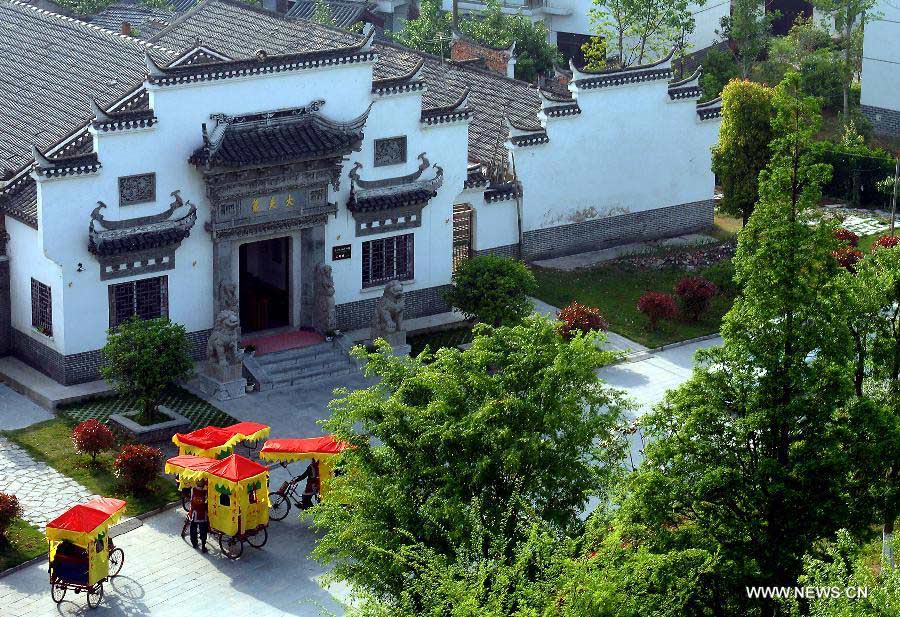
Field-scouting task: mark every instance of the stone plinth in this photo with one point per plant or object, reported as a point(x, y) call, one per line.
point(222, 390)
point(397, 341)
point(153, 433)
point(223, 374)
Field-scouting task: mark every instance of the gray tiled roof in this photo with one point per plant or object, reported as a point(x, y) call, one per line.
point(238, 30)
point(145, 20)
point(51, 67)
point(344, 14)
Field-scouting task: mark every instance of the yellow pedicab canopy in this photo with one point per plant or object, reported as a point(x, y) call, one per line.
point(85, 525)
point(238, 491)
point(215, 441)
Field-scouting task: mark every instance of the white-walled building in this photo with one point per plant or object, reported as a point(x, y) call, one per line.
point(240, 147)
point(880, 98)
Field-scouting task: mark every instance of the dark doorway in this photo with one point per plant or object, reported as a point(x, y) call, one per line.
point(569, 44)
point(265, 285)
point(789, 11)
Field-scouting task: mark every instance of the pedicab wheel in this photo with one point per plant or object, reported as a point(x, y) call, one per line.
point(95, 595)
point(116, 561)
point(231, 546)
point(57, 592)
point(279, 506)
point(259, 539)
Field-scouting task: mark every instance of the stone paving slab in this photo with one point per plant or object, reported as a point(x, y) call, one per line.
point(43, 492)
point(16, 411)
point(163, 575)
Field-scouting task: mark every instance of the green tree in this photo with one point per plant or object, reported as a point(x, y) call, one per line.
point(142, 357)
point(808, 49)
point(719, 67)
point(747, 29)
point(517, 428)
point(850, 17)
point(322, 14)
point(742, 151)
point(594, 54)
point(492, 289)
point(429, 32)
point(534, 55)
point(641, 29)
point(749, 452)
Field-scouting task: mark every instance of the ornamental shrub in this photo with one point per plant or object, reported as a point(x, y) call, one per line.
point(695, 293)
point(137, 466)
point(92, 437)
point(886, 242)
point(580, 318)
point(845, 236)
point(722, 275)
point(657, 305)
point(492, 289)
point(9, 509)
point(848, 257)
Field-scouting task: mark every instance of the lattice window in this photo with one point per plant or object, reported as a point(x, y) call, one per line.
point(462, 233)
point(146, 298)
point(41, 308)
point(387, 259)
point(137, 189)
point(390, 151)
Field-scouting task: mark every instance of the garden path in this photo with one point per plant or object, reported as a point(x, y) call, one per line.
point(16, 411)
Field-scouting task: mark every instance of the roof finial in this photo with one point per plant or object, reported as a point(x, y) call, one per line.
point(42, 161)
point(153, 69)
point(99, 114)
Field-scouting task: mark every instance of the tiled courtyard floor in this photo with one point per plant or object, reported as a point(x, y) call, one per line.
point(43, 492)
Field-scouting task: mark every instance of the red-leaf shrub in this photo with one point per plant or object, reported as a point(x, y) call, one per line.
point(138, 465)
point(9, 509)
point(92, 437)
point(580, 318)
point(657, 305)
point(846, 236)
point(848, 256)
point(886, 242)
point(695, 292)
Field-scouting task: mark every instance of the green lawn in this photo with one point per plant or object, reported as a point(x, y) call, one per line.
point(22, 542)
point(195, 409)
point(615, 290)
point(51, 442)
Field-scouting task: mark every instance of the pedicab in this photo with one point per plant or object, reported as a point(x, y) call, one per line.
point(322, 450)
point(237, 498)
point(82, 555)
point(217, 442)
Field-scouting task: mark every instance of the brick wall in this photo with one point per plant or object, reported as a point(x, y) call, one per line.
point(884, 121)
point(417, 303)
point(80, 367)
point(613, 230)
point(495, 60)
point(510, 250)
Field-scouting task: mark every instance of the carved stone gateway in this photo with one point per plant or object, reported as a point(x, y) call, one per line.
point(387, 322)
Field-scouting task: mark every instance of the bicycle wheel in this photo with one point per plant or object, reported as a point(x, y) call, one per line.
point(231, 546)
point(95, 595)
point(116, 561)
point(57, 592)
point(279, 506)
point(259, 539)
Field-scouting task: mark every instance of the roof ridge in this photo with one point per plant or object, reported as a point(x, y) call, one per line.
point(88, 25)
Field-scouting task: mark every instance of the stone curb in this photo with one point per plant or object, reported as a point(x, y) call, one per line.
point(637, 356)
point(43, 556)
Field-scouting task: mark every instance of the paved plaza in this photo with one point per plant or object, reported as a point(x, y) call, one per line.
point(164, 576)
point(16, 411)
point(43, 492)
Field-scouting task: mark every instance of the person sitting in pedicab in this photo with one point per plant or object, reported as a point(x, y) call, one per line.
point(71, 563)
point(312, 484)
point(198, 515)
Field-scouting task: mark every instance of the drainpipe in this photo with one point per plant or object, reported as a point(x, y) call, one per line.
point(518, 195)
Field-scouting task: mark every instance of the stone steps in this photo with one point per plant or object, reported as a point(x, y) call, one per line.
point(305, 365)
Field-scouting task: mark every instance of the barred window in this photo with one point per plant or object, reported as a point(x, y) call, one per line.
point(41, 308)
point(146, 298)
point(387, 259)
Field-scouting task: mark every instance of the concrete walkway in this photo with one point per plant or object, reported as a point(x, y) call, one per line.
point(43, 492)
point(614, 342)
point(16, 411)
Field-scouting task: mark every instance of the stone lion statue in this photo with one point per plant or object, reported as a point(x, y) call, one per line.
point(223, 347)
point(388, 316)
point(324, 299)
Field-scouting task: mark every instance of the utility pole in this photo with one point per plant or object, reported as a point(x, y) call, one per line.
point(455, 14)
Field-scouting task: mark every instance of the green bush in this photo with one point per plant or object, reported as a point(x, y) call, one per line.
point(857, 170)
point(492, 289)
point(721, 274)
point(820, 76)
point(719, 67)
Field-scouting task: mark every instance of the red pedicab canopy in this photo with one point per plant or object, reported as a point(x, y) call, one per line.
point(290, 450)
point(234, 468)
point(210, 441)
point(82, 522)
